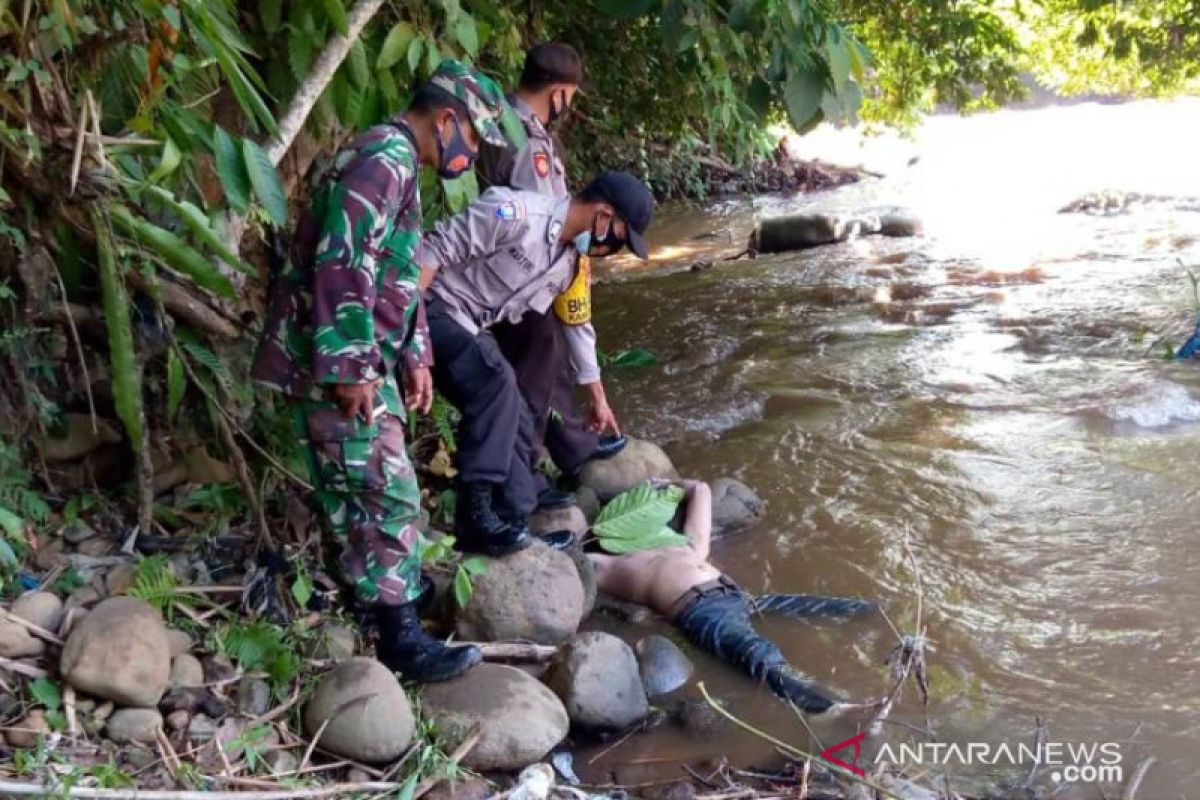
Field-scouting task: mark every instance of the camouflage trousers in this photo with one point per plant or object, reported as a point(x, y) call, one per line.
point(367, 488)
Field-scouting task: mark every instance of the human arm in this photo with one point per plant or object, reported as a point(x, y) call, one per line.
point(493, 220)
point(581, 353)
point(697, 516)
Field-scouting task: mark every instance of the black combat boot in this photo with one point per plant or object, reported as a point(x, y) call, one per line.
point(405, 647)
point(477, 528)
point(551, 498)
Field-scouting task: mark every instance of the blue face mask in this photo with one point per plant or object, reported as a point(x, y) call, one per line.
point(583, 242)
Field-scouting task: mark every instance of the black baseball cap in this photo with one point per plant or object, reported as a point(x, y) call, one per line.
point(552, 62)
point(632, 201)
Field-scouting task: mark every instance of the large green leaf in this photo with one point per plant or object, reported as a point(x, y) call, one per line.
point(174, 252)
point(337, 15)
point(802, 93)
point(265, 181)
point(637, 520)
point(198, 223)
point(395, 46)
point(11, 524)
point(126, 374)
point(270, 13)
point(360, 69)
point(231, 169)
point(467, 34)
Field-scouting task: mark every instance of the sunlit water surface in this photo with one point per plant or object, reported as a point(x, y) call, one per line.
point(993, 392)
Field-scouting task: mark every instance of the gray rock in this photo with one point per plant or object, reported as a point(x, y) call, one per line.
point(119, 652)
point(280, 762)
point(735, 506)
point(119, 579)
point(43, 609)
point(596, 676)
point(201, 728)
point(97, 547)
point(253, 697)
point(637, 463)
point(178, 720)
point(17, 642)
point(663, 665)
point(569, 518)
point(797, 232)
point(463, 789)
point(178, 642)
point(588, 502)
point(900, 222)
point(535, 595)
point(369, 716)
point(185, 671)
point(519, 719)
point(339, 643)
point(26, 732)
point(700, 720)
point(587, 577)
point(133, 725)
point(78, 531)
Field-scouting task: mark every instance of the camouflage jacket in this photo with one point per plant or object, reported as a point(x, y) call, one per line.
point(346, 308)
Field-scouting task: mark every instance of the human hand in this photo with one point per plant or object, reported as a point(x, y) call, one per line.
point(601, 419)
point(355, 398)
point(418, 389)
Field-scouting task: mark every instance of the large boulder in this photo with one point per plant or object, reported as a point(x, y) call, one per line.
point(596, 676)
point(735, 506)
point(119, 652)
point(635, 464)
point(663, 665)
point(519, 719)
point(367, 716)
point(534, 594)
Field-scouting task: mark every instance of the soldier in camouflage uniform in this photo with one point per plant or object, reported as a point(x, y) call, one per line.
point(345, 317)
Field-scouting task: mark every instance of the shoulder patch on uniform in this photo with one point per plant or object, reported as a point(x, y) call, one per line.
point(541, 163)
point(553, 230)
point(507, 211)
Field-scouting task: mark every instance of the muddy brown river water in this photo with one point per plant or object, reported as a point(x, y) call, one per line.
point(992, 392)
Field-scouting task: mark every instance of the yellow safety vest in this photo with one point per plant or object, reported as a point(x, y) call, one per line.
point(574, 306)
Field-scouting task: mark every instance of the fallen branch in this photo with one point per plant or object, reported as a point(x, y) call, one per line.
point(515, 651)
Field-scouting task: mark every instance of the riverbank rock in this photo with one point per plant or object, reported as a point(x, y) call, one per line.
point(569, 518)
point(43, 609)
point(26, 732)
point(663, 665)
point(596, 676)
point(186, 670)
point(900, 222)
point(133, 725)
point(17, 642)
point(119, 652)
point(519, 719)
point(588, 502)
point(587, 577)
point(735, 506)
point(535, 595)
point(178, 642)
point(369, 717)
point(636, 463)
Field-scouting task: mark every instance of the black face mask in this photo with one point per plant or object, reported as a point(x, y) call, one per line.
point(609, 240)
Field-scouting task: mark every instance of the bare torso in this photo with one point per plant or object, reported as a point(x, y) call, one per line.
point(655, 578)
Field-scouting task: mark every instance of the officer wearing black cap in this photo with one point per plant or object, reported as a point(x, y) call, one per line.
point(535, 347)
point(512, 253)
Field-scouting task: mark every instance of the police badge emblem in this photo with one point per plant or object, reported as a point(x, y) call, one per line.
point(541, 163)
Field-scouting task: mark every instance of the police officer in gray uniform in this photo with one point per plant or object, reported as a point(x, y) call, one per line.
point(512, 253)
point(535, 346)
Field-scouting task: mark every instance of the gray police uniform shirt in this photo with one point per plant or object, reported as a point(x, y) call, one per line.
point(535, 167)
point(501, 258)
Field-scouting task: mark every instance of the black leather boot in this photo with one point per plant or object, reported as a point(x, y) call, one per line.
point(405, 647)
point(549, 499)
point(477, 528)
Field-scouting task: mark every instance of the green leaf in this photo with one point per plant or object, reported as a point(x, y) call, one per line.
point(638, 357)
point(198, 223)
point(176, 382)
point(300, 53)
point(475, 565)
point(168, 162)
point(302, 589)
point(270, 13)
point(360, 70)
point(637, 520)
point(126, 374)
point(265, 181)
point(802, 94)
point(231, 169)
point(462, 587)
point(11, 524)
point(409, 788)
point(210, 360)
point(337, 15)
point(47, 693)
point(414, 54)
point(174, 252)
point(395, 46)
point(467, 34)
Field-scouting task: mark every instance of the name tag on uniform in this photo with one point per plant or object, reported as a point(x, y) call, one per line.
point(574, 306)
